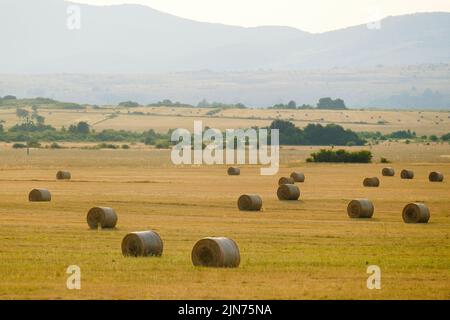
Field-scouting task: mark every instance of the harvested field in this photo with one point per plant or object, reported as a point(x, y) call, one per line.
point(306, 249)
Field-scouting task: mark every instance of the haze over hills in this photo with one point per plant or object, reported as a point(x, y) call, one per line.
point(132, 52)
point(135, 38)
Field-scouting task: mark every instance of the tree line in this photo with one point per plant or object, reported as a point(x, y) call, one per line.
point(323, 104)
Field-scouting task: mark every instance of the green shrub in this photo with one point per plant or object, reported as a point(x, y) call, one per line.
point(446, 137)
point(129, 104)
point(363, 156)
point(107, 146)
point(19, 145)
point(402, 134)
point(315, 134)
point(33, 144)
point(162, 144)
point(55, 145)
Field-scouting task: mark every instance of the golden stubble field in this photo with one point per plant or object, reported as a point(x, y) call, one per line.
point(161, 119)
point(307, 249)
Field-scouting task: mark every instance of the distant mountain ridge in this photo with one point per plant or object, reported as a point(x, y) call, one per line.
point(138, 39)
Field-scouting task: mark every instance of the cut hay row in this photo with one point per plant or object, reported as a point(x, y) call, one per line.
point(216, 252)
point(222, 251)
point(388, 172)
point(288, 192)
point(285, 180)
point(63, 175)
point(360, 208)
point(38, 195)
point(250, 202)
point(416, 213)
point(436, 176)
point(142, 244)
point(234, 171)
point(101, 217)
point(298, 177)
point(371, 182)
point(407, 174)
point(412, 212)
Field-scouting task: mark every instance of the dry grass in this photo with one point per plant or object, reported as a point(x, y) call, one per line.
point(164, 118)
point(292, 250)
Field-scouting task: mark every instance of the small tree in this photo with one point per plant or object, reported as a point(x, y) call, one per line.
point(81, 127)
point(292, 104)
point(129, 104)
point(328, 103)
point(203, 104)
point(22, 113)
point(434, 138)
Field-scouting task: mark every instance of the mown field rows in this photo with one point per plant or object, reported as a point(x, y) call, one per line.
point(293, 250)
point(161, 119)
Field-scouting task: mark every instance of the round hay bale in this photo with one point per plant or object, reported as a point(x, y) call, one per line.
point(63, 175)
point(416, 213)
point(142, 244)
point(234, 171)
point(298, 177)
point(407, 174)
point(285, 180)
point(371, 182)
point(288, 192)
point(436, 176)
point(216, 252)
point(39, 195)
point(102, 217)
point(250, 202)
point(360, 208)
point(388, 172)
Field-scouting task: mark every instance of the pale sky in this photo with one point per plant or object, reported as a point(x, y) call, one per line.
point(307, 15)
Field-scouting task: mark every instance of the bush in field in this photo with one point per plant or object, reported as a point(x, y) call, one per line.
point(129, 104)
point(33, 144)
point(55, 145)
point(434, 138)
point(446, 137)
point(81, 127)
point(162, 144)
point(363, 156)
point(328, 103)
point(402, 134)
point(19, 146)
point(107, 146)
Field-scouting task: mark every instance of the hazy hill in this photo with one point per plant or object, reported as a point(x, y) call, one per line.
point(134, 38)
